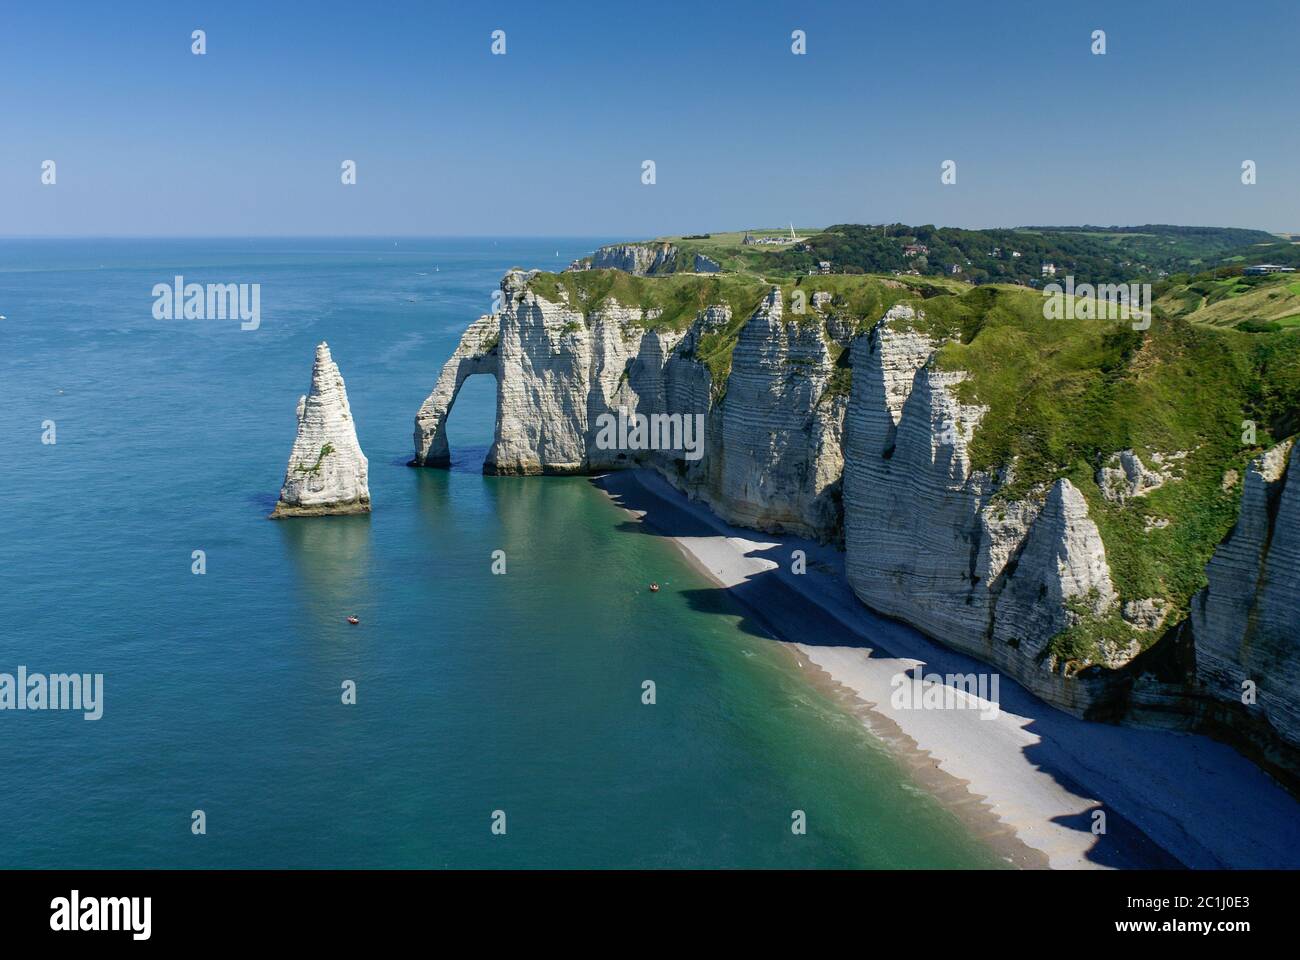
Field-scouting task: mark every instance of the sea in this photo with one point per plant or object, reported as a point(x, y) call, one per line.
point(471, 719)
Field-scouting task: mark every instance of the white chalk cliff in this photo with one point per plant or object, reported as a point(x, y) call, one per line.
point(646, 260)
point(1008, 572)
point(640, 259)
point(930, 541)
point(476, 353)
point(327, 472)
point(1246, 622)
point(771, 452)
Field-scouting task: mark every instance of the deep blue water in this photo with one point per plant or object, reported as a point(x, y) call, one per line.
point(475, 692)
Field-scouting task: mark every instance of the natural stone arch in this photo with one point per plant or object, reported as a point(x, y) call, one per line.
point(477, 352)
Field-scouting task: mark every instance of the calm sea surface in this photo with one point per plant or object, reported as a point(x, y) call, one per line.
point(475, 693)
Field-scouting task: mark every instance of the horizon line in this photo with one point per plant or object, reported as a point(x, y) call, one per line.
point(587, 236)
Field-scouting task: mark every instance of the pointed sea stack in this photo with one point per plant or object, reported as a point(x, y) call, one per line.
point(327, 472)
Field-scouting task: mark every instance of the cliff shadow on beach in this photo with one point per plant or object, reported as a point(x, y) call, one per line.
point(1144, 780)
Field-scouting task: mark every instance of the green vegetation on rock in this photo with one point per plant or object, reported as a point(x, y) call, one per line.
point(314, 469)
point(1061, 396)
point(1090, 254)
point(1226, 298)
point(677, 298)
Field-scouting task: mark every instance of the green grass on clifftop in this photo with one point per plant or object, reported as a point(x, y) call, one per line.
point(678, 297)
point(1063, 395)
point(857, 301)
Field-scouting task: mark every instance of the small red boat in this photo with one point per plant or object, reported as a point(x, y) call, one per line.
point(353, 620)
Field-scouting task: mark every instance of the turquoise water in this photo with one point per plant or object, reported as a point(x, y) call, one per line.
point(475, 692)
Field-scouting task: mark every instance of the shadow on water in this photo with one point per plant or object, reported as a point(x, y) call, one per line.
point(265, 501)
point(469, 459)
point(770, 608)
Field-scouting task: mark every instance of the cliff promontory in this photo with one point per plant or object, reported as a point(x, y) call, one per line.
point(1061, 498)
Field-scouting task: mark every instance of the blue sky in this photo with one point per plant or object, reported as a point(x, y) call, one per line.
point(549, 139)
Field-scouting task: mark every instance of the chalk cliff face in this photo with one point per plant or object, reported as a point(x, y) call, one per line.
point(1246, 622)
point(639, 259)
point(1014, 572)
point(646, 260)
point(327, 472)
point(779, 458)
point(928, 539)
point(769, 455)
point(1060, 576)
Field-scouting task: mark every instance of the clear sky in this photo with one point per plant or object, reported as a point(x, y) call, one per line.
point(248, 139)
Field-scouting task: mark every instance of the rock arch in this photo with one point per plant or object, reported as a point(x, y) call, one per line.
point(477, 352)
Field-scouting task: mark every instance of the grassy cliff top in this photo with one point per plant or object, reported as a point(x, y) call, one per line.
point(858, 301)
point(678, 297)
point(1062, 396)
